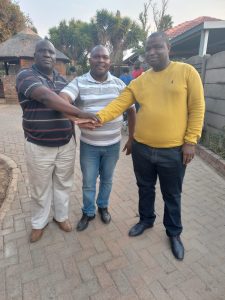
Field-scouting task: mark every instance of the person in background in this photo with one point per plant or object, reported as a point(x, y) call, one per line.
point(137, 71)
point(125, 76)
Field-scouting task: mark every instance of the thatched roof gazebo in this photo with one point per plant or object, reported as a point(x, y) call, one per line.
point(18, 52)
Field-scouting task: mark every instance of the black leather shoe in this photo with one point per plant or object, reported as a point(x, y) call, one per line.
point(83, 223)
point(105, 215)
point(177, 247)
point(139, 228)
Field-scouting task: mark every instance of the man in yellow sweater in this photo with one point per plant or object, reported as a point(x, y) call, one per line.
point(168, 126)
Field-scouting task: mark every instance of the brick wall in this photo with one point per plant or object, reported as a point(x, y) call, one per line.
point(26, 63)
point(212, 70)
point(9, 83)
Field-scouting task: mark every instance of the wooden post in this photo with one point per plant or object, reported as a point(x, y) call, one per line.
point(6, 68)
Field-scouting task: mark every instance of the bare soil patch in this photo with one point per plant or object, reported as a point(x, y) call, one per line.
point(5, 178)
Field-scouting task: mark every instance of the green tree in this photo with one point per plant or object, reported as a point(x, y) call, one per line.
point(162, 20)
point(75, 39)
point(12, 19)
point(166, 22)
point(117, 33)
point(143, 18)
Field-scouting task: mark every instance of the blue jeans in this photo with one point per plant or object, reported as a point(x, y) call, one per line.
point(97, 161)
point(166, 164)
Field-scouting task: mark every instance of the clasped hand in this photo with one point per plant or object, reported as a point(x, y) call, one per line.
point(87, 120)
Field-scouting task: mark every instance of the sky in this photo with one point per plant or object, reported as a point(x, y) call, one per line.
point(48, 13)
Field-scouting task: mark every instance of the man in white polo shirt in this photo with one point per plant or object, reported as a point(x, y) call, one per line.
point(99, 148)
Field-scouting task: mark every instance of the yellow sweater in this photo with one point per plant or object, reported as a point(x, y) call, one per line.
point(171, 106)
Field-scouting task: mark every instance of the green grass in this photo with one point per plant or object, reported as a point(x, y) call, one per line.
point(214, 142)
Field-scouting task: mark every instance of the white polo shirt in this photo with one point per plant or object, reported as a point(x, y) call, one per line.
point(91, 96)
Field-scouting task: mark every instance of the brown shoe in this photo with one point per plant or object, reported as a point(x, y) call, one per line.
point(65, 225)
point(36, 234)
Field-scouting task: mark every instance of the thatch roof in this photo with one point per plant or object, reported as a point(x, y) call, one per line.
point(22, 45)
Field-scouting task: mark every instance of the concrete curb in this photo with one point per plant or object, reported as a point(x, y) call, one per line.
point(12, 188)
point(211, 159)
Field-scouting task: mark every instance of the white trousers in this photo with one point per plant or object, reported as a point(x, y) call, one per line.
point(50, 172)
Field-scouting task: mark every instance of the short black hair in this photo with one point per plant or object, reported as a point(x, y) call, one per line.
point(97, 47)
point(161, 34)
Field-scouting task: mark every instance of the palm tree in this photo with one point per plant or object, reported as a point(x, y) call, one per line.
point(117, 33)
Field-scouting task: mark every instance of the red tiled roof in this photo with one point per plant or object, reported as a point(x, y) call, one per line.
point(181, 28)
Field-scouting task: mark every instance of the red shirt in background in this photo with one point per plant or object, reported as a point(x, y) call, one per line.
point(136, 73)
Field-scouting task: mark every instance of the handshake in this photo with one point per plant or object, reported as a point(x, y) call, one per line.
point(86, 120)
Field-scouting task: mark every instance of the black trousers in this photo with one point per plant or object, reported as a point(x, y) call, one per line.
point(166, 164)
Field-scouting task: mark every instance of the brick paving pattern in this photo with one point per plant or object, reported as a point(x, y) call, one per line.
point(102, 262)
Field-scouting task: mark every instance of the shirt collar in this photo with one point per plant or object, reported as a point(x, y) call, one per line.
point(91, 79)
point(55, 73)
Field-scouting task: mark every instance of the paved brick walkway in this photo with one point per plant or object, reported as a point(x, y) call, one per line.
point(103, 262)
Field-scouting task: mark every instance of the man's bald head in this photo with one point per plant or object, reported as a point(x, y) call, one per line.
point(99, 62)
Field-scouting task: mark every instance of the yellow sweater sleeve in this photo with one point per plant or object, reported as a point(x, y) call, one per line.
point(117, 106)
point(196, 107)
